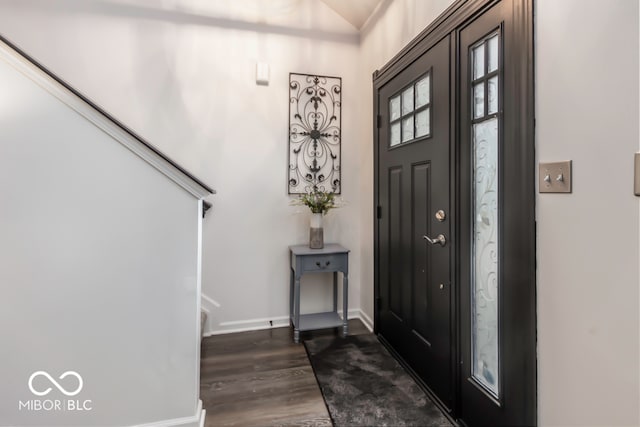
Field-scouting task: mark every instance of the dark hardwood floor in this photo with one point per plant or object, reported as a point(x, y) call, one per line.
point(261, 378)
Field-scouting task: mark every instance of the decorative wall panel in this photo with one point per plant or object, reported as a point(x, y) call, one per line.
point(315, 110)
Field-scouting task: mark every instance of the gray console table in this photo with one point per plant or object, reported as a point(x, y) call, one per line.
point(332, 258)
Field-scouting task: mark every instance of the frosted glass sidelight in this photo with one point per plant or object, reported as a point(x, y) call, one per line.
point(485, 254)
point(407, 129)
point(407, 101)
point(492, 53)
point(478, 100)
point(478, 62)
point(395, 134)
point(493, 95)
point(422, 91)
point(423, 125)
point(394, 108)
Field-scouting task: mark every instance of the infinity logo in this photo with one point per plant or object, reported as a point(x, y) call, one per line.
point(55, 383)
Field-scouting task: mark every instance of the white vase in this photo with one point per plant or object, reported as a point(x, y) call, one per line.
point(316, 232)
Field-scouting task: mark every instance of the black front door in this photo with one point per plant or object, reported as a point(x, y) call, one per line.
point(455, 194)
point(414, 222)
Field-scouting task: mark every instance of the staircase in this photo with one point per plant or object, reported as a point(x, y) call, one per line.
point(100, 257)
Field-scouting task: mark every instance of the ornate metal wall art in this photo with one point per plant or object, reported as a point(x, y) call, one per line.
point(315, 116)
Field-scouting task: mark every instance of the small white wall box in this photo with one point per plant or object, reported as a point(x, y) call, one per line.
point(262, 73)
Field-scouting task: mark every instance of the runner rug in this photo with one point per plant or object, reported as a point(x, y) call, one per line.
point(363, 385)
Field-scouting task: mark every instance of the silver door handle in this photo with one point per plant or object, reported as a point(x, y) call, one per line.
point(441, 240)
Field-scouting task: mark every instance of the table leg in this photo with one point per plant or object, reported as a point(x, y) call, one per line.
point(335, 291)
point(296, 310)
point(345, 305)
point(291, 278)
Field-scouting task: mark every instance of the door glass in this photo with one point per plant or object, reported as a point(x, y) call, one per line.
point(485, 262)
point(478, 100)
point(394, 108)
point(423, 127)
point(407, 101)
point(422, 92)
point(410, 112)
point(395, 134)
point(493, 53)
point(478, 61)
point(493, 95)
point(407, 129)
point(486, 249)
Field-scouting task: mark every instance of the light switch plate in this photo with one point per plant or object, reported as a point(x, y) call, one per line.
point(555, 177)
point(636, 179)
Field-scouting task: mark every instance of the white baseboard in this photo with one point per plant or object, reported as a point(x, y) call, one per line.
point(366, 320)
point(356, 313)
point(276, 322)
point(197, 420)
point(249, 325)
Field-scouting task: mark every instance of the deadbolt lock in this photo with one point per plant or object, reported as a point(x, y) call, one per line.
point(441, 215)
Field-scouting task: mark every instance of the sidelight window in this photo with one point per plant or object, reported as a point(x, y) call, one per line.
point(485, 105)
point(410, 112)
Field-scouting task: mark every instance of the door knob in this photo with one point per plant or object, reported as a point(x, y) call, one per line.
point(441, 240)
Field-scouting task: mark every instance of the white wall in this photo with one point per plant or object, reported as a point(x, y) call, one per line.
point(587, 111)
point(182, 74)
point(99, 266)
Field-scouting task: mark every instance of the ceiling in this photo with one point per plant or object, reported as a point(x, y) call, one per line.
point(355, 11)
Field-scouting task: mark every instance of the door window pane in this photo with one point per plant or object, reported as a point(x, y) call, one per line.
point(478, 100)
point(492, 45)
point(407, 129)
point(394, 108)
point(422, 92)
point(423, 125)
point(407, 101)
point(478, 62)
point(395, 134)
point(493, 95)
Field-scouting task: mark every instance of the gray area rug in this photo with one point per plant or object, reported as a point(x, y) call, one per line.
point(363, 385)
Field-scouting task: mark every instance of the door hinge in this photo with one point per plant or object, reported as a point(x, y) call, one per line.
point(379, 212)
point(378, 300)
point(378, 121)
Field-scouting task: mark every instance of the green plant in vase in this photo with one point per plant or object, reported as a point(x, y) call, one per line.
point(319, 202)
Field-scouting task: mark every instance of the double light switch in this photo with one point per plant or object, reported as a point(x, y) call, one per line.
point(555, 177)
